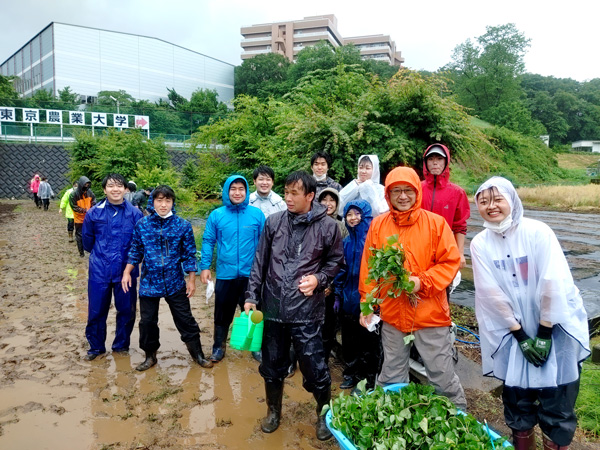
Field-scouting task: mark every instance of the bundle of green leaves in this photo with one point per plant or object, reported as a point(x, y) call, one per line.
point(386, 268)
point(412, 418)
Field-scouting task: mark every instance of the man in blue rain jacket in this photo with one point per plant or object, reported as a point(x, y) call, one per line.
point(106, 234)
point(235, 228)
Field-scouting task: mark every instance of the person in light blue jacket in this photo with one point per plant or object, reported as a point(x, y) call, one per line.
point(235, 229)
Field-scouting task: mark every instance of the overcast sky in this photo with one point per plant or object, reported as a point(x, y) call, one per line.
point(565, 36)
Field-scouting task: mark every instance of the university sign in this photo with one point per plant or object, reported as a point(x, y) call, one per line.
point(55, 117)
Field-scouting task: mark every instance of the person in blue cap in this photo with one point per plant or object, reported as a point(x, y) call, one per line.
point(235, 229)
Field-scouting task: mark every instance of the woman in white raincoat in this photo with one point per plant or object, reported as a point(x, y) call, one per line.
point(533, 326)
point(366, 186)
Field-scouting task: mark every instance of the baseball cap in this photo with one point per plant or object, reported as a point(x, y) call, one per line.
point(436, 150)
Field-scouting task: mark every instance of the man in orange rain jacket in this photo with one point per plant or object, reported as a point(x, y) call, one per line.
point(433, 259)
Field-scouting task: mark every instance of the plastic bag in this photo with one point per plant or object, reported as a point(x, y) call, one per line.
point(455, 282)
point(375, 319)
point(210, 290)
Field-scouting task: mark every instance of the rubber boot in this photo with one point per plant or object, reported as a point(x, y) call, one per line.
point(148, 362)
point(524, 440)
point(70, 236)
point(195, 349)
point(274, 392)
point(549, 445)
point(322, 398)
point(220, 341)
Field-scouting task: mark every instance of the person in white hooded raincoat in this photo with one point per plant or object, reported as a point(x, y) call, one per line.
point(533, 326)
point(366, 186)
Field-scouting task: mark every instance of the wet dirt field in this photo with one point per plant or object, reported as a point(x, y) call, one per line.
point(50, 398)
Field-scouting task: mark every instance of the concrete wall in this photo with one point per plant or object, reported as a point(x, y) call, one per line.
point(19, 162)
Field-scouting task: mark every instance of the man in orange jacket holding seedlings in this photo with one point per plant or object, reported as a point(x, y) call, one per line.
point(433, 259)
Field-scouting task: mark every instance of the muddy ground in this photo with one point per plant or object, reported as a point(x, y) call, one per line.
point(50, 398)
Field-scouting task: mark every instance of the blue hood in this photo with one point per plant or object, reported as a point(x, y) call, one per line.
point(366, 216)
point(225, 195)
point(150, 206)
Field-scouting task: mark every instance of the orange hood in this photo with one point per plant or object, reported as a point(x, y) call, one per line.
point(404, 175)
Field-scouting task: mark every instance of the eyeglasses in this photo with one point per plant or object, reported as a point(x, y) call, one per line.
point(397, 192)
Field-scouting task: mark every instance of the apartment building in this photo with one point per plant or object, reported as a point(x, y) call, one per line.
point(289, 38)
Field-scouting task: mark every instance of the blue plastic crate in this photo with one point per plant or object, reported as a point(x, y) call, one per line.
point(346, 444)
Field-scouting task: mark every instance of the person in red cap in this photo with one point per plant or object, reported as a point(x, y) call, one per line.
point(442, 197)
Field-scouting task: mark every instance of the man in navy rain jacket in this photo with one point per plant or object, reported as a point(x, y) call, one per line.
point(106, 234)
point(235, 228)
point(166, 244)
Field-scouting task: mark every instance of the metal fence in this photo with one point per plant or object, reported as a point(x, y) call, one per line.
point(42, 133)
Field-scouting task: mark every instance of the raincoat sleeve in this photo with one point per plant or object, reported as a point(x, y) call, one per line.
point(136, 250)
point(350, 192)
point(93, 197)
point(461, 214)
point(555, 289)
point(363, 286)
point(333, 258)
point(87, 234)
point(209, 239)
point(447, 262)
point(188, 253)
point(493, 305)
point(339, 281)
point(260, 265)
point(73, 202)
point(375, 195)
point(64, 200)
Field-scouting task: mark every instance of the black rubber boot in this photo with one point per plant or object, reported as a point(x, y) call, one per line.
point(220, 342)
point(148, 362)
point(70, 236)
point(274, 392)
point(195, 349)
point(322, 398)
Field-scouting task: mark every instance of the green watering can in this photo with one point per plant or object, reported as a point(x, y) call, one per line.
point(247, 331)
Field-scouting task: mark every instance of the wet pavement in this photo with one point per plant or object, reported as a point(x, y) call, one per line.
point(579, 237)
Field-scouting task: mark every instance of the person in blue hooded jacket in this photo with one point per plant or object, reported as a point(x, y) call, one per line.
point(106, 234)
point(165, 243)
point(235, 228)
point(361, 348)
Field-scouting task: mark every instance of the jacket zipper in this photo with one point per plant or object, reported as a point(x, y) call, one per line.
point(162, 259)
point(238, 243)
point(433, 195)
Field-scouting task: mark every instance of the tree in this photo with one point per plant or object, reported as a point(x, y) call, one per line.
point(319, 56)
point(263, 76)
point(487, 74)
point(124, 99)
point(66, 95)
point(7, 88)
point(349, 111)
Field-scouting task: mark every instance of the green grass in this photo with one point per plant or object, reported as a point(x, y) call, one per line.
point(588, 402)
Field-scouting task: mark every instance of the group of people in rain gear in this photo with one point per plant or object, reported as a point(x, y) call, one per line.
point(305, 268)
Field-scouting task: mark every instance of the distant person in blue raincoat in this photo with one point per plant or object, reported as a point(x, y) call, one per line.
point(106, 235)
point(165, 243)
point(361, 348)
point(235, 229)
